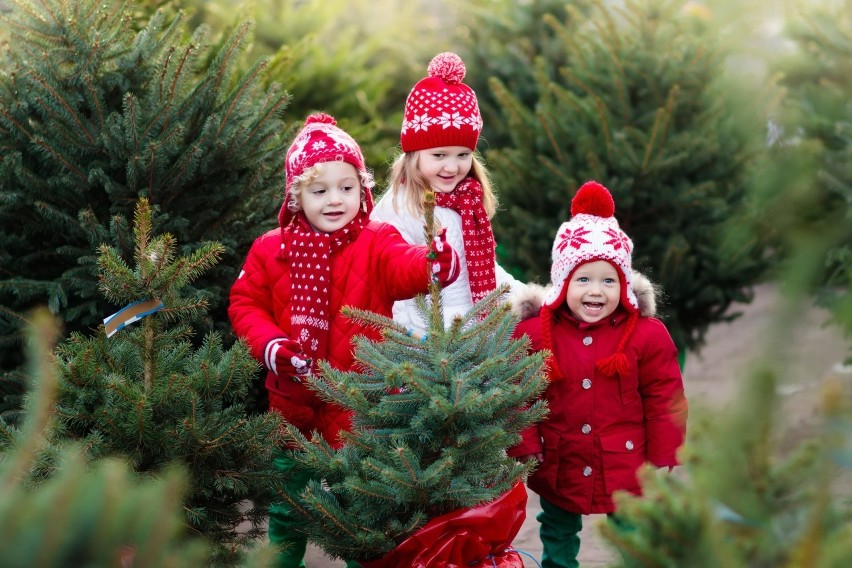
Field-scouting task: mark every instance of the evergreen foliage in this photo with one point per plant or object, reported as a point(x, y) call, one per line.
point(13, 388)
point(97, 110)
point(432, 420)
point(757, 490)
point(354, 59)
point(147, 396)
point(744, 499)
point(812, 153)
point(511, 42)
point(86, 515)
point(640, 106)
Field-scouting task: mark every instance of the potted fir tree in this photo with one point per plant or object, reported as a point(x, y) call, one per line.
point(423, 478)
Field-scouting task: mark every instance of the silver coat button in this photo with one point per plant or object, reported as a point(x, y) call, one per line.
point(586, 429)
point(629, 444)
point(587, 471)
point(587, 340)
point(587, 384)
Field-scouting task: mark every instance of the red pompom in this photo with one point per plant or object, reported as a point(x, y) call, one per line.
point(593, 199)
point(447, 66)
point(320, 118)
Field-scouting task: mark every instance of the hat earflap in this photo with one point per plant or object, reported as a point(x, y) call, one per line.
point(546, 321)
point(546, 317)
point(616, 365)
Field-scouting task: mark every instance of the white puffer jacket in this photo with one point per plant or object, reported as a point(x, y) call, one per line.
point(455, 297)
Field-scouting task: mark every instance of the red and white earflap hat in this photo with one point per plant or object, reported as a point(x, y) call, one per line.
point(441, 110)
point(591, 234)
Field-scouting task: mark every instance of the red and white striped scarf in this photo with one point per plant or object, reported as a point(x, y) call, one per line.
point(466, 200)
point(310, 254)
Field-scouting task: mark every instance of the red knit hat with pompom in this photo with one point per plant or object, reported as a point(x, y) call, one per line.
point(441, 110)
point(591, 234)
point(320, 140)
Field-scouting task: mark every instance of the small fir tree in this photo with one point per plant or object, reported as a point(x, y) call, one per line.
point(87, 514)
point(98, 109)
point(433, 418)
point(146, 395)
point(638, 105)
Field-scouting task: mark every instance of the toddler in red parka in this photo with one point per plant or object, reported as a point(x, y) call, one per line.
point(616, 395)
point(326, 254)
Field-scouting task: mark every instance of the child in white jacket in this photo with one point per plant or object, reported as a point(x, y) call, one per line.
point(440, 129)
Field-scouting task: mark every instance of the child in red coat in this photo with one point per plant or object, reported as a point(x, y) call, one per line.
point(326, 254)
point(616, 394)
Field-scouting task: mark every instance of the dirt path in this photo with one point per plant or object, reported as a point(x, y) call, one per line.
point(814, 354)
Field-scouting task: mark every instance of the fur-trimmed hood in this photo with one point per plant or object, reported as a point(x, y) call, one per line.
point(527, 301)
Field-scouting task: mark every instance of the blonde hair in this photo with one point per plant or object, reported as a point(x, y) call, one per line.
point(294, 197)
point(406, 181)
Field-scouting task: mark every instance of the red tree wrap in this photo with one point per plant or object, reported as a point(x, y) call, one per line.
point(479, 536)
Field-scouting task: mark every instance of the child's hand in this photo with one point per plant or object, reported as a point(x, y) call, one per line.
point(538, 457)
point(284, 357)
point(445, 260)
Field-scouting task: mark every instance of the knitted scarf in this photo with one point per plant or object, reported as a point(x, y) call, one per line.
point(466, 200)
point(310, 254)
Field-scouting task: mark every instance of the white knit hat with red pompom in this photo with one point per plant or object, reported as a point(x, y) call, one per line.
point(592, 234)
point(320, 140)
point(441, 110)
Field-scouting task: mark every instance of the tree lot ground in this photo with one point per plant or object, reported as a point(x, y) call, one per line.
point(712, 380)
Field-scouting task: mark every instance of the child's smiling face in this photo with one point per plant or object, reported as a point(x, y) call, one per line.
point(594, 291)
point(333, 198)
point(444, 167)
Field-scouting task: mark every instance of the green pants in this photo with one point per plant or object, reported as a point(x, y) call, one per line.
point(283, 522)
point(560, 536)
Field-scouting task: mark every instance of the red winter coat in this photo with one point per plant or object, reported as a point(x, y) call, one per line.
point(601, 429)
point(370, 273)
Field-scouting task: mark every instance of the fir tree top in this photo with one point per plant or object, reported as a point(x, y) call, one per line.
point(145, 395)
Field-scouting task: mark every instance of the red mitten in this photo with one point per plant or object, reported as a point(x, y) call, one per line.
point(284, 357)
point(445, 260)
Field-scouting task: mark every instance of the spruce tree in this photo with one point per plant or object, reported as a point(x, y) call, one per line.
point(146, 395)
point(639, 105)
point(98, 109)
point(815, 122)
point(87, 514)
point(433, 418)
point(511, 42)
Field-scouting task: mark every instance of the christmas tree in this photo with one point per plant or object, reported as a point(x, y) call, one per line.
point(98, 109)
point(514, 43)
point(812, 151)
point(433, 418)
point(141, 391)
point(86, 514)
point(639, 105)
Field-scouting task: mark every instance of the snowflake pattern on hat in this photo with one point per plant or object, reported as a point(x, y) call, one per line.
point(441, 110)
point(321, 141)
point(591, 234)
